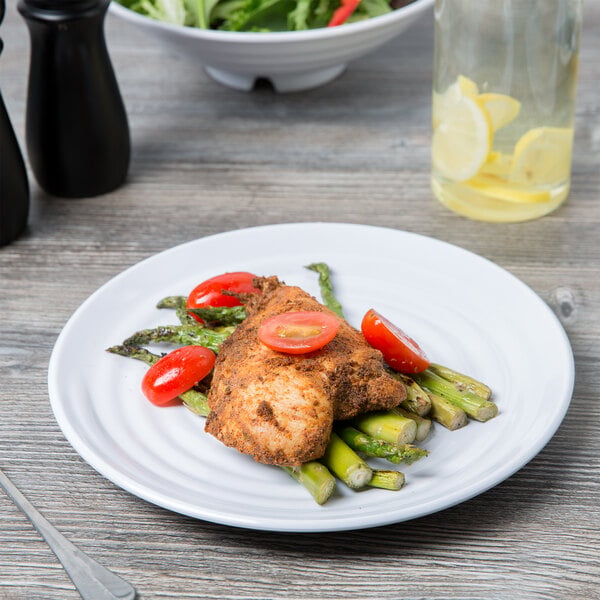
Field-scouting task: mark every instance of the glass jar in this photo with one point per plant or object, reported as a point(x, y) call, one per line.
point(505, 75)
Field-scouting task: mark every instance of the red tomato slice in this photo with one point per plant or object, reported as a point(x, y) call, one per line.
point(399, 351)
point(176, 373)
point(210, 292)
point(298, 332)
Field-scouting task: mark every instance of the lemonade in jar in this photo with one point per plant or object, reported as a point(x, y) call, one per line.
point(505, 75)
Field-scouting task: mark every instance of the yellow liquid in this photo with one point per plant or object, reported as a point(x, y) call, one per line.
point(530, 58)
point(469, 202)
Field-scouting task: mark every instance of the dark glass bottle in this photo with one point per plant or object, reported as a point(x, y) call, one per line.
point(76, 126)
point(14, 187)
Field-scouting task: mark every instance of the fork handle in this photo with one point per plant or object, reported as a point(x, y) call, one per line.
point(92, 580)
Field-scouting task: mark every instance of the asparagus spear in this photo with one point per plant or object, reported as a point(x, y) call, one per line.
point(181, 334)
point(387, 480)
point(377, 448)
point(343, 462)
point(135, 352)
point(461, 381)
point(316, 478)
point(387, 426)
point(417, 400)
point(476, 407)
point(195, 401)
point(220, 315)
point(211, 315)
point(172, 302)
point(179, 303)
point(447, 414)
point(326, 287)
point(423, 424)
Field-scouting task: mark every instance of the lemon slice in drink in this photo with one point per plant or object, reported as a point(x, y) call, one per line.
point(466, 86)
point(463, 86)
point(502, 109)
point(497, 165)
point(515, 193)
point(543, 156)
point(461, 139)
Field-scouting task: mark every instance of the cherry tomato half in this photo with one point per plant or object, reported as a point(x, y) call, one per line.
point(298, 332)
point(176, 373)
point(210, 292)
point(399, 351)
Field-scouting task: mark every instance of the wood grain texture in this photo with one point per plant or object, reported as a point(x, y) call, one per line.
point(207, 159)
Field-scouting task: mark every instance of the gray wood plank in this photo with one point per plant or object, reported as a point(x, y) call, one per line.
point(207, 159)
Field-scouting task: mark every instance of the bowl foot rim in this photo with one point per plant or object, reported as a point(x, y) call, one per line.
point(282, 83)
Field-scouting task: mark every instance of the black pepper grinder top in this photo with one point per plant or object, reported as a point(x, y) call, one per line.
point(76, 124)
point(14, 186)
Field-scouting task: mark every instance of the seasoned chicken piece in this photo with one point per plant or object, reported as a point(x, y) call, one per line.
point(279, 408)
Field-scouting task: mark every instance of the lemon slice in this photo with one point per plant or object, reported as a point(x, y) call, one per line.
point(543, 156)
point(502, 109)
point(461, 139)
point(463, 86)
point(509, 192)
point(497, 165)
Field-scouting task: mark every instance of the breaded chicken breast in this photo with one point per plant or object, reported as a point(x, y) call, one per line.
point(279, 408)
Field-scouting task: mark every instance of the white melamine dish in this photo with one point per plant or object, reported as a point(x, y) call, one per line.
point(465, 312)
point(290, 60)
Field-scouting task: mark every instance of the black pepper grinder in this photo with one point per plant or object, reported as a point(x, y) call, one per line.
point(14, 187)
point(76, 125)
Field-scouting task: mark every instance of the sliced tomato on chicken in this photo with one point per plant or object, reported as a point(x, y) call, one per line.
point(399, 350)
point(177, 372)
point(220, 291)
point(298, 332)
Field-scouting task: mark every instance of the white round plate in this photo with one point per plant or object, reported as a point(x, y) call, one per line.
point(465, 312)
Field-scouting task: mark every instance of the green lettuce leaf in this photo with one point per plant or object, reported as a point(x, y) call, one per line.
point(169, 11)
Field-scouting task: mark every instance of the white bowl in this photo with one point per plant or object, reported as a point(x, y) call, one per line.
point(291, 61)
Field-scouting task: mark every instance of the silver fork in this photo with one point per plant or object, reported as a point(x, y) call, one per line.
point(92, 580)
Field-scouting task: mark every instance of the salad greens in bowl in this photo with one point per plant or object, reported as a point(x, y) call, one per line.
point(295, 44)
point(262, 15)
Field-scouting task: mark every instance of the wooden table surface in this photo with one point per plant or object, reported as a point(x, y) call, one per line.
point(207, 159)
